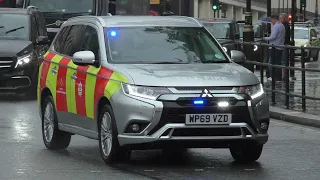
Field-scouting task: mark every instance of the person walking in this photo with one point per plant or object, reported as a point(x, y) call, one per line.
point(285, 53)
point(276, 38)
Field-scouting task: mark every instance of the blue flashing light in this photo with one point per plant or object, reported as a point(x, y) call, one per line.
point(113, 33)
point(198, 102)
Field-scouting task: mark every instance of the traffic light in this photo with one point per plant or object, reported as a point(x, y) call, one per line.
point(216, 5)
point(290, 18)
point(303, 3)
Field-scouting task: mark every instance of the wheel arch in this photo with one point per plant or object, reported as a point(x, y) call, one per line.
point(102, 101)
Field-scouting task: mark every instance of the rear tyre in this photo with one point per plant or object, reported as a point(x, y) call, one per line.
point(110, 149)
point(246, 153)
point(53, 138)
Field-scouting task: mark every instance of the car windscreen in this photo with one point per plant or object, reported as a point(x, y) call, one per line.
point(301, 34)
point(14, 26)
point(167, 45)
point(63, 6)
point(256, 29)
point(220, 30)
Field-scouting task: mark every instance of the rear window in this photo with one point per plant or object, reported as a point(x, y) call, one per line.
point(148, 45)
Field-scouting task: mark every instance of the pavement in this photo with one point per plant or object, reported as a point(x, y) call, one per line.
point(292, 152)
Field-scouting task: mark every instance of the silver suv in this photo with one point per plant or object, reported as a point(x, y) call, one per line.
point(149, 82)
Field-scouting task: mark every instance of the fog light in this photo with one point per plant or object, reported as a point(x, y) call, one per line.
point(223, 104)
point(135, 127)
point(264, 126)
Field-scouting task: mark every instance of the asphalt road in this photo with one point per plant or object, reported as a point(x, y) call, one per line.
point(292, 153)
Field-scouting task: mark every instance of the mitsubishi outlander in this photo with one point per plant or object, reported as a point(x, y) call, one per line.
point(146, 82)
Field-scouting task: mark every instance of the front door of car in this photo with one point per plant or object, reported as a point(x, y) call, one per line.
point(81, 78)
point(86, 77)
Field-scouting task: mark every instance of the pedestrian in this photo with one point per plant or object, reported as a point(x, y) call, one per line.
point(285, 54)
point(276, 38)
point(167, 11)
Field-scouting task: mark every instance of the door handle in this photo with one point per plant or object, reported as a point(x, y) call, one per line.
point(74, 77)
point(54, 70)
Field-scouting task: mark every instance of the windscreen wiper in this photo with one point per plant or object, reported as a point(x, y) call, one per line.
point(10, 31)
point(164, 62)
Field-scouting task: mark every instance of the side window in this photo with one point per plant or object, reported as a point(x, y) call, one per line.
point(91, 42)
point(59, 43)
point(74, 40)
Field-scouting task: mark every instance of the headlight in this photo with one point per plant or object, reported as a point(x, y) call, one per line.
point(255, 47)
point(225, 49)
point(253, 91)
point(145, 92)
point(23, 60)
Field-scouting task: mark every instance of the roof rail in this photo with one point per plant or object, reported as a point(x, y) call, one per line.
point(109, 14)
point(29, 8)
point(97, 18)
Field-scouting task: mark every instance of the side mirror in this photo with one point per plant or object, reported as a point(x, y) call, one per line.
point(42, 40)
point(238, 56)
point(84, 58)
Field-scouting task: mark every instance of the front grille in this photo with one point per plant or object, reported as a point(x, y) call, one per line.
point(6, 63)
point(207, 102)
point(215, 88)
point(173, 112)
point(207, 132)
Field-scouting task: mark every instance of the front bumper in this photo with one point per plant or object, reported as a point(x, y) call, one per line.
point(17, 80)
point(165, 122)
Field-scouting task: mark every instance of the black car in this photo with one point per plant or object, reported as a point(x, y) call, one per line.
point(260, 29)
point(226, 31)
point(56, 12)
point(23, 40)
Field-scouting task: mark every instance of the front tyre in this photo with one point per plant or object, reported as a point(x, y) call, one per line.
point(246, 153)
point(110, 149)
point(53, 138)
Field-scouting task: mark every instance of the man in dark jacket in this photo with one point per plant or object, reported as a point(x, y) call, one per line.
point(285, 55)
point(167, 10)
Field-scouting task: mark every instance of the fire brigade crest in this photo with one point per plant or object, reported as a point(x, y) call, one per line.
point(80, 89)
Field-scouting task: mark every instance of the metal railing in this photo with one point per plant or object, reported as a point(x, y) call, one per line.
point(285, 69)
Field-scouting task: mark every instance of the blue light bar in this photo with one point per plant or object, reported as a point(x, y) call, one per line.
point(113, 33)
point(198, 102)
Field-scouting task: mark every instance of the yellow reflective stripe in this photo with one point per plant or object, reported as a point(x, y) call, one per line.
point(90, 87)
point(39, 79)
point(114, 84)
point(46, 54)
point(51, 82)
point(71, 86)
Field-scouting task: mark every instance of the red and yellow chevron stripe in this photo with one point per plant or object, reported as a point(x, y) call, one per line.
point(82, 95)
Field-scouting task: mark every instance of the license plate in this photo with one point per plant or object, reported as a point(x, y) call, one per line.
point(195, 119)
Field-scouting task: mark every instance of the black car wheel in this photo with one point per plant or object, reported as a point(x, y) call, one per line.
point(247, 152)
